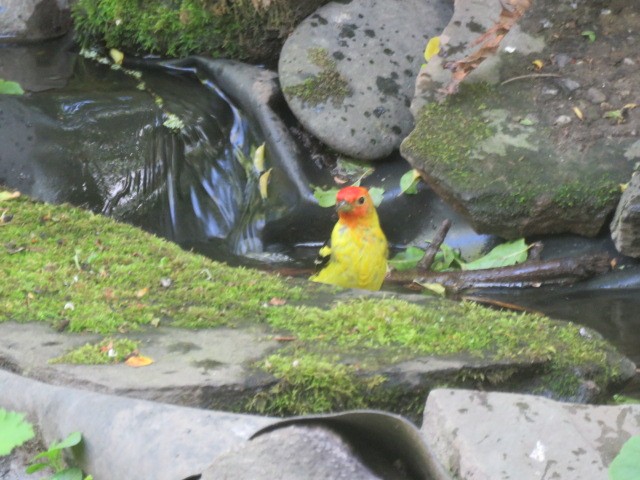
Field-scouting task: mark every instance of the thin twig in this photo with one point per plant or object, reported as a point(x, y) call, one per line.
point(430, 254)
point(531, 75)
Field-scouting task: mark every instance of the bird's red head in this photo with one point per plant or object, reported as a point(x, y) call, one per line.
point(354, 203)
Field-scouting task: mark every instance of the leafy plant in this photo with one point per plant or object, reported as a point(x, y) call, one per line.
point(52, 459)
point(8, 87)
point(14, 431)
point(447, 258)
point(409, 182)
point(626, 465)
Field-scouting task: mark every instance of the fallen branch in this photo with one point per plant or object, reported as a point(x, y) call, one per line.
point(531, 75)
point(430, 253)
point(561, 271)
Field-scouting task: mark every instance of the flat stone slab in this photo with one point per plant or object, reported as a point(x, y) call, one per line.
point(348, 70)
point(188, 365)
point(492, 436)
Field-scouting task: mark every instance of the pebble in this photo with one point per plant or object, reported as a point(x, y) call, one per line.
point(568, 85)
point(595, 96)
point(561, 60)
point(562, 120)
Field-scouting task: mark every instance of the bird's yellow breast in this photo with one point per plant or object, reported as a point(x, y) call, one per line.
point(358, 256)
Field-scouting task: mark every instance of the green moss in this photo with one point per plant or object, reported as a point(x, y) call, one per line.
point(219, 28)
point(487, 155)
point(67, 265)
point(329, 84)
point(105, 352)
point(311, 383)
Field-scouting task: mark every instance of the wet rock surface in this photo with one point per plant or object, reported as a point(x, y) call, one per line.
point(544, 439)
point(625, 226)
point(521, 151)
point(348, 71)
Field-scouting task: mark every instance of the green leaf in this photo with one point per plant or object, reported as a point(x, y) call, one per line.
point(326, 198)
point(409, 182)
point(508, 253)
point(72, 440)
point(446, 259)
point(590, 34)
point(407, 259)
point(36, 467)
point(14, 431)
point(8, 87)
point(69, 474)
point(626, 465)
point(377, 194)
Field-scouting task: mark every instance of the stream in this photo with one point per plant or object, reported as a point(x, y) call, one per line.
point(101, 139)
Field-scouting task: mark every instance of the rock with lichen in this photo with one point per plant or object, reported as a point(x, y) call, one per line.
point(348, 71)
point(625, 227)
point(496, 149)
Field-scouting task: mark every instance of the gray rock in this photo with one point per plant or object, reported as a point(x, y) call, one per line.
point(509, 178)
point(595, 96)
point(29, 20)
point(625, 226)
point(127, 438)
point(348, 70)
point(291, 453)
point(493, 436)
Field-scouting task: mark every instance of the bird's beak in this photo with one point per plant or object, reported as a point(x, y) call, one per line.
point(344, 206)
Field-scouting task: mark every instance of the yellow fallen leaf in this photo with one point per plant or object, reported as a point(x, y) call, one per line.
point(432, 48)
point(629, 106)
point(578, 113)
point(538, 64)
point(258, 159)
point(142, 292)
point(623, 186)
point(436, 288)
point(117, 56)
point(138, 361)
point(4, 195)
point(263, 183)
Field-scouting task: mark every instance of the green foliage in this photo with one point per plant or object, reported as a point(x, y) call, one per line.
point(178, 28)
point(407, 259)
point(626, 465)
point(409, 182)
point(8, 87)
point(589, 34)
point(14, 431)
point(52, 459)
point(106, 352)
point(505, 254)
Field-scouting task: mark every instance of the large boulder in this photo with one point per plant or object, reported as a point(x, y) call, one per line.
point(524, 152)
point(32, 20)
point(348, 71)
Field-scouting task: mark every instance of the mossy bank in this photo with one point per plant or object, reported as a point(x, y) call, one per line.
point(83, 272)
point(240, 29)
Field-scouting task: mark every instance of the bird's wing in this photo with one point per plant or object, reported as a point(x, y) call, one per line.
point(324, 254)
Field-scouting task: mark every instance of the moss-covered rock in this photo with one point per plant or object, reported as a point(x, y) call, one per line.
point(82, 272)
point(241, 29)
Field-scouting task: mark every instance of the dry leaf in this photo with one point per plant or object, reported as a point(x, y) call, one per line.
point(285, 339)
point(432, 48)
point(489, 41)
point(264, 182)
point(277, 302)
point(138, 361)
point(142, 292)
point(538, 64)
point(117, 56)
point(4, 195)
point(578, 113)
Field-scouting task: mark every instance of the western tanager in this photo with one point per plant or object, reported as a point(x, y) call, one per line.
point(356, 256)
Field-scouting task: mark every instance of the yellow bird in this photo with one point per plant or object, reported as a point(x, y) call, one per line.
point(356, 255)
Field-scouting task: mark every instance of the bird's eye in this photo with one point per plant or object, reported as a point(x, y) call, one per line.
point(361, 201)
